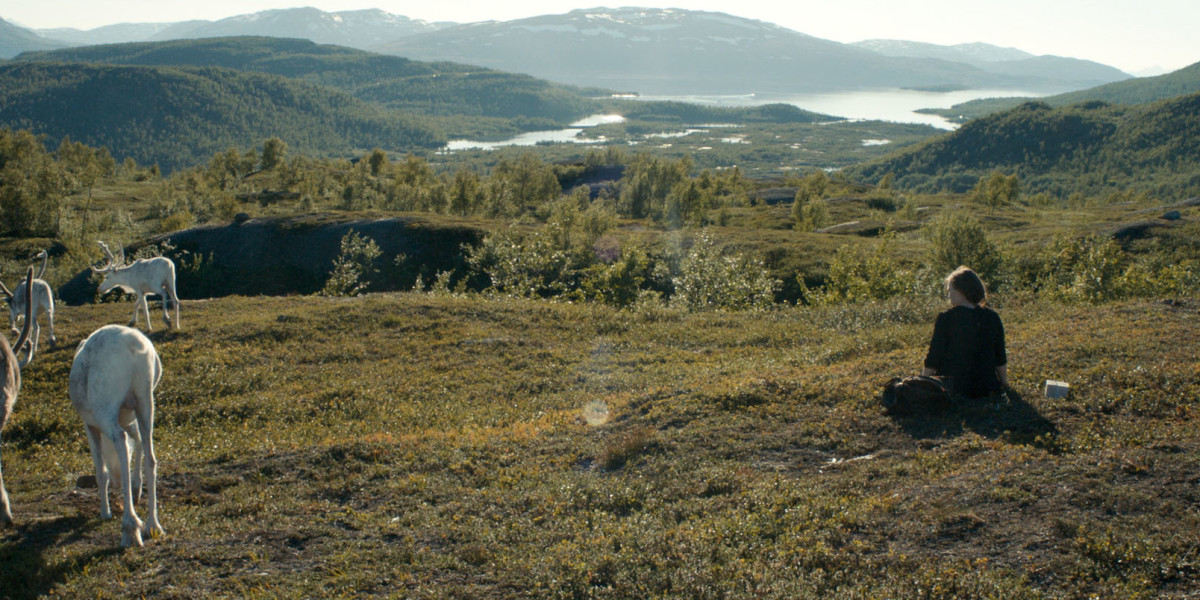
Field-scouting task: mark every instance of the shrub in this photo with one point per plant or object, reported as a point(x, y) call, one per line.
point(353, 266)
point(176, 221)
point(709, 280)
point(1095, 269)
point(619, 283)
point(956, 240)
point(812, 215)
point(996, 190)
point(856, 275)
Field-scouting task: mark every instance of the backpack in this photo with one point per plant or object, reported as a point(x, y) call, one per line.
point(918, 394)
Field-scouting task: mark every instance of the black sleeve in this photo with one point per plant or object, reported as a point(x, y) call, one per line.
point(1001, 353)
point(936, 358)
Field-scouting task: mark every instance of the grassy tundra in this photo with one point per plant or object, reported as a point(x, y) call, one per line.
point(431, 445)
point(416, 445)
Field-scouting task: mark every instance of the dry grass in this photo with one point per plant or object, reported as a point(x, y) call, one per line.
point(423, 446)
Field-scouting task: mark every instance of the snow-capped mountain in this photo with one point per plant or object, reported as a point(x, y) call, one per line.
point(354, 28)
point(652, 51)
point(682, 51)
point(977, 54)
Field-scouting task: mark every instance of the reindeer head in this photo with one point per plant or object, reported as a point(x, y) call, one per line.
point(113, 266)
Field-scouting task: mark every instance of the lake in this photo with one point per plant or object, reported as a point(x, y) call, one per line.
point(865, 105)
point(532, 138)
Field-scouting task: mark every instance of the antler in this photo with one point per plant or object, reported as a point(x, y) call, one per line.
point(4, 288)
point(45, 256)
point(112, 261)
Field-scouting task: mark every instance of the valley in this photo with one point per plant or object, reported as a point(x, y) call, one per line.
point(465, 321)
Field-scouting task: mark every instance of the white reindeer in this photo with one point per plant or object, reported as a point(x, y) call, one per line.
point(43, 303)
point(10, 384)
point(112, 387)
point(141, 277)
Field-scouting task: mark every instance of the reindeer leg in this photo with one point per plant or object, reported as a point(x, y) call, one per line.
point(50, 318)
point(135, 450)
point(33, 340)
point(131, 525)
point(166, 297)
point(6, 517)
point(144, 408)
point(175, 302)
point(136, 307)
point(95, 444)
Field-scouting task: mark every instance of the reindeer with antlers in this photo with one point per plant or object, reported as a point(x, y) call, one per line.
point(141, 277)
point(43, 303)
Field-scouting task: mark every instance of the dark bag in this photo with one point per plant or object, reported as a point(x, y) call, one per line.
point(919, 394)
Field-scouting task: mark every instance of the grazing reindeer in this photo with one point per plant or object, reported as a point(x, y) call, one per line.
point(10, 384)
point(112, 387)
point(141, 277)
point(43, 303)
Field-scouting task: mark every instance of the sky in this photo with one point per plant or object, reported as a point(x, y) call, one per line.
point(1134, 36)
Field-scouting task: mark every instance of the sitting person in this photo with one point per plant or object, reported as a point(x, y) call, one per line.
point(967, 348)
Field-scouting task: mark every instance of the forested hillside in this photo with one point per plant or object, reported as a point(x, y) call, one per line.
point(1142, 90)
point(180, 116)
point(440, 89)
point(451, 101)
point(1087, 147)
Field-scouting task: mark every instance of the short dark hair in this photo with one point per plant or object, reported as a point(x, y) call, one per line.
point(968, 283)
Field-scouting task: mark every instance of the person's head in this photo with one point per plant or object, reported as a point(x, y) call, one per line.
point(967, 282)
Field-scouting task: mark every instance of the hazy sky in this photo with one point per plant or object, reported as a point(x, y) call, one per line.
point(1127, 34)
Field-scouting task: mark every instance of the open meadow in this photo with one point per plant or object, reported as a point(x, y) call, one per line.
point(451, 332)
point(426, 445)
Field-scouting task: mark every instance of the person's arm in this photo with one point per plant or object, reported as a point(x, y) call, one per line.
point(1001, 355)
point(936, 355)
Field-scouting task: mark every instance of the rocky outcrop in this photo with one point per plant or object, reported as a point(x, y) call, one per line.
point(294, 255)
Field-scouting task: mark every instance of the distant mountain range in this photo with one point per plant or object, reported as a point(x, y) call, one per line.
point(353, 28)
point(667, 51)
point(652, 51)
point(15, 40)
point(978, 54)
point(1003, 61)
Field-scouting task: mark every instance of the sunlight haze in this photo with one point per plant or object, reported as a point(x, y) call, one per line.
point(1155, 35)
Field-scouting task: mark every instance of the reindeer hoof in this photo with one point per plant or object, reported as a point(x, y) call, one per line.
point(131, 533)
point(132, 539)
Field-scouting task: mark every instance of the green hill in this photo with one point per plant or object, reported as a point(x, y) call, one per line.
point(1086, 147)
point(180, 116)
point(438, 89)
point(1131, 91)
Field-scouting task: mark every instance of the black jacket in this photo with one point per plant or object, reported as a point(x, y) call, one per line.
point(967, 346)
